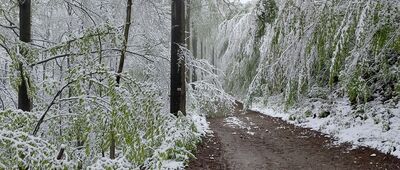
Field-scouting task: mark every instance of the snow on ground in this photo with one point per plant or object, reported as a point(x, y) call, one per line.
point(235, 122)
point(172, 164)
point(378, 126)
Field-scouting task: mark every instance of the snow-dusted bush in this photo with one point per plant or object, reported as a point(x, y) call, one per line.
point(207, 94)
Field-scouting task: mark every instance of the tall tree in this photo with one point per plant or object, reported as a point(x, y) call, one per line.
point(120, 68)
point(126, 37)
point(188, 24)
point(24, 102)
point(178, 69)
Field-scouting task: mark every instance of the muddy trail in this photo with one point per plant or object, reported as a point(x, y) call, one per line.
point(250, 140)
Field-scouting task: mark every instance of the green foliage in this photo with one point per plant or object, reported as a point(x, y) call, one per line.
point(308, 113)
point(381, 37)
point(324, 114)
point(17, 120)
point(360, 113)
point(292, 117)
point(291, 94)
point(21, 150)
point(396, 45)
point(357, 89)
point(398, 88)
point(266, 12)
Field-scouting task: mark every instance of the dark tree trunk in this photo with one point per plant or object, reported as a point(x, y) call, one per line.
point(25, 20)
point(24, 102)
point(178, 88)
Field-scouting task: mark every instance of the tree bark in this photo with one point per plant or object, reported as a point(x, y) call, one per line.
point(178, 69)
point(24, 101)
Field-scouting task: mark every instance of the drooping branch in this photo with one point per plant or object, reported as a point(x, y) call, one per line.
point(37, 127)
point(41, 120)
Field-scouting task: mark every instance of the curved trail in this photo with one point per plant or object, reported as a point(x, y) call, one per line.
point(254, 141)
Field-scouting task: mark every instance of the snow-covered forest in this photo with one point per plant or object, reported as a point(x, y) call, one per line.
point(130, 84)
point(79, 116)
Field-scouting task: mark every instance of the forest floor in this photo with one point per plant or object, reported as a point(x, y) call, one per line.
point(250, 140)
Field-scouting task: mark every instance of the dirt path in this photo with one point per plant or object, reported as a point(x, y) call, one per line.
point(254, 141)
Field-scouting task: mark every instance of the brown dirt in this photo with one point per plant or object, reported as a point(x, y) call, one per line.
point(279, 145)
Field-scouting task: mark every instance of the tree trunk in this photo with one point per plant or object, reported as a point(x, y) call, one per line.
point(201, 49)
point(24, 102)
point(178, 88)
point(189, 38)
point(188, 33)
point(125, 43)
point(5, 72)
point(212, 57)
point(194, 46)
point(120, 68)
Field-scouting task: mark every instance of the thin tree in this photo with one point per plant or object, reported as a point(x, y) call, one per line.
point(24, 102)
point(125, 43)
point(188, 24)
point(178, 70)
point(121, 67)
point(194, 51)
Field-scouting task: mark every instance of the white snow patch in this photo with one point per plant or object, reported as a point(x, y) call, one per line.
point(201, 124)
point(251, 133)
point(235, 122)
point(172, 164)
